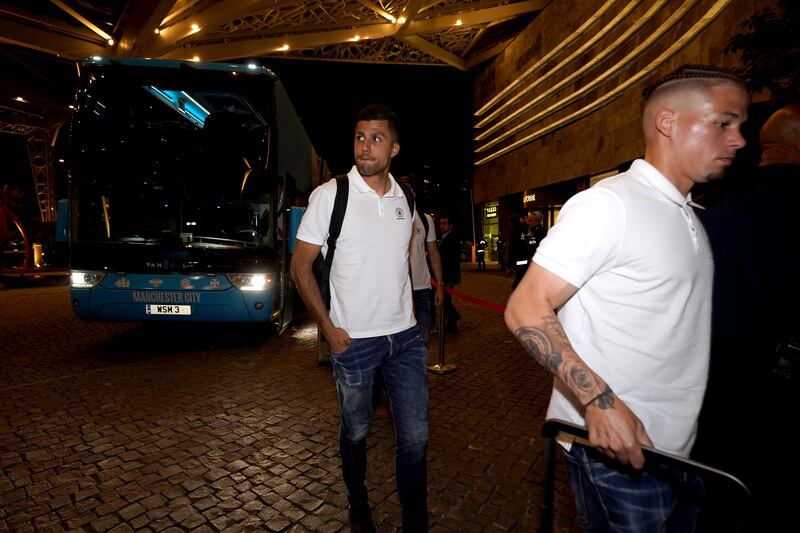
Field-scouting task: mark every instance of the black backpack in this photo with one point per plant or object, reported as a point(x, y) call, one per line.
point(322, 264)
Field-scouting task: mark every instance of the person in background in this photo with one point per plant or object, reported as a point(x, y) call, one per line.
point(755, 235)
point(424, 258)
point(481, 253)
point(518, 248)
point(449, 250)
point(501, 252)
point(371, 326)
point(629, 268)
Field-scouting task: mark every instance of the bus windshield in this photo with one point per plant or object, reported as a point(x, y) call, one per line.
point(171, 170)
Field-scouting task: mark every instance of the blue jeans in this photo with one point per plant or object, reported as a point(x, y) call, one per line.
point(423, 310)
point(610, 497)
point(400, 361)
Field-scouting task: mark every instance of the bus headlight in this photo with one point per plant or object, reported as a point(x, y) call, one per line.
point(250, 282)
point(85, 280)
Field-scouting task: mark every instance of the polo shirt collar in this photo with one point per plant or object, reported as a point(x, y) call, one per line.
point(361, 185)
point(660, 183)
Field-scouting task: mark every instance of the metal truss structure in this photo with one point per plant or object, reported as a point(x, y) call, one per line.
point(435, 32)
point(460, 34)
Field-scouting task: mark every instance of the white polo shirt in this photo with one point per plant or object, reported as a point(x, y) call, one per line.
point(370, 284)
point(420, 275)
point(641, 317)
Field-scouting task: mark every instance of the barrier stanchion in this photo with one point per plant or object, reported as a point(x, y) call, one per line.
point(441, 367)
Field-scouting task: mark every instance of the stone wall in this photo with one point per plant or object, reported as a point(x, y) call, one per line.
point(611, 135)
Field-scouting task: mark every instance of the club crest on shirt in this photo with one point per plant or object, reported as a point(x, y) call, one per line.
point(399, 214)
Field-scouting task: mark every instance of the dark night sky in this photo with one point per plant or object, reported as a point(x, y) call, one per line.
point(433, 105)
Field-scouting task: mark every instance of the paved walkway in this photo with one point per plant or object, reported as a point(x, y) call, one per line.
point(121, 427)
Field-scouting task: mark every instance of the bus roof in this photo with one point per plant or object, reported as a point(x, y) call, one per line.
point(250, 68)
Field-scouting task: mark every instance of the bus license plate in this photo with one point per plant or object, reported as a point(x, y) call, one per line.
point(153, 309)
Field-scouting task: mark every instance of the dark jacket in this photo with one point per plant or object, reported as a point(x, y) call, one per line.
point(449, 250)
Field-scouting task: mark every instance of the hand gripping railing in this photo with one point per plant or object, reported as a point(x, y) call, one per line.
point(721, 483)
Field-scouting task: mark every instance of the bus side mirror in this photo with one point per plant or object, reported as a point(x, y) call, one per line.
point(295, 214)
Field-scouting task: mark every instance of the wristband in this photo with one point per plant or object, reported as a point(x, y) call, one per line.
point(590, 402)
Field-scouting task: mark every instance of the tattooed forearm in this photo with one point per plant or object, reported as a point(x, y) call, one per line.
point(581, 381)
point(538, 344)
point(604, 400)
point(550, 347)
point(554, 327)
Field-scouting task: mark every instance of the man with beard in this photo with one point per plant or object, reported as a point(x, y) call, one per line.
point(370, 325)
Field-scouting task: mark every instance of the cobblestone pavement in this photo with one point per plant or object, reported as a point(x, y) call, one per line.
point(126, 427)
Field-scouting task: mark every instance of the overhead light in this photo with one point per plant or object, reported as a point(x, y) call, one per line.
point(196, 58)
point(252, 66)
point(19, 99)
point(156, 31)
point(458, 22)
point(284, 48)
point(111, 42)
point(195, 28)
point(356, 38)
point(401, 20)
point(392, 19)
point(71, 106)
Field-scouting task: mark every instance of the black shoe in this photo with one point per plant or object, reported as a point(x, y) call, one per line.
point(360, 517)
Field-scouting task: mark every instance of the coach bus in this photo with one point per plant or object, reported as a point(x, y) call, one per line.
point(180, 178)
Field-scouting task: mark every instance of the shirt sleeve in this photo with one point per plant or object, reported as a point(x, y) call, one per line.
point(587, 237)
point(431, 229)
point(316, 220)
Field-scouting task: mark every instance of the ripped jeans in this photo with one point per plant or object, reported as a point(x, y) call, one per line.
point(400, 359)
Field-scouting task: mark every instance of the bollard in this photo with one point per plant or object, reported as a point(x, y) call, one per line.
point(441, 367)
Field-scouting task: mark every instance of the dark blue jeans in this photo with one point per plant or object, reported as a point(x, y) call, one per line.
point(400, 360)
point(423, 310)
point(610, 497)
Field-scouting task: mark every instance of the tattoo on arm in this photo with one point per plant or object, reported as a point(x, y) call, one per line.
point(554, 326)
point(577, 376)
point(538, 344)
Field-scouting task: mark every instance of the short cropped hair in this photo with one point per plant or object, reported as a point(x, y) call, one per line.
point(381, 112)
point(702, 76)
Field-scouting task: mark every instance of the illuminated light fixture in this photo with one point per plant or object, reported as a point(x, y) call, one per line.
point(392, 19)
point(196, 58)
point(458, 22)
point(195, 102)
point(97, 58)
point(195, 28)
point(283, 48)
point(622, 39)
point(636, 52)
point(608, 97)
point(85, 280)
point(552, 53)
point(252, 66)
point(250, 282)
point(356, 38)
point(401, 20)
point(156, 31)
point(111, 42)
point(60, 160)
point(71, 106)
point(19, 99)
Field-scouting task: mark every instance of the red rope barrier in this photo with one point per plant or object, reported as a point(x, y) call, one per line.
point(472, 299)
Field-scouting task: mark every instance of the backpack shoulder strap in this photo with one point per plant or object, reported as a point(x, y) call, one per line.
point(409, 194)
point(337, 217)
